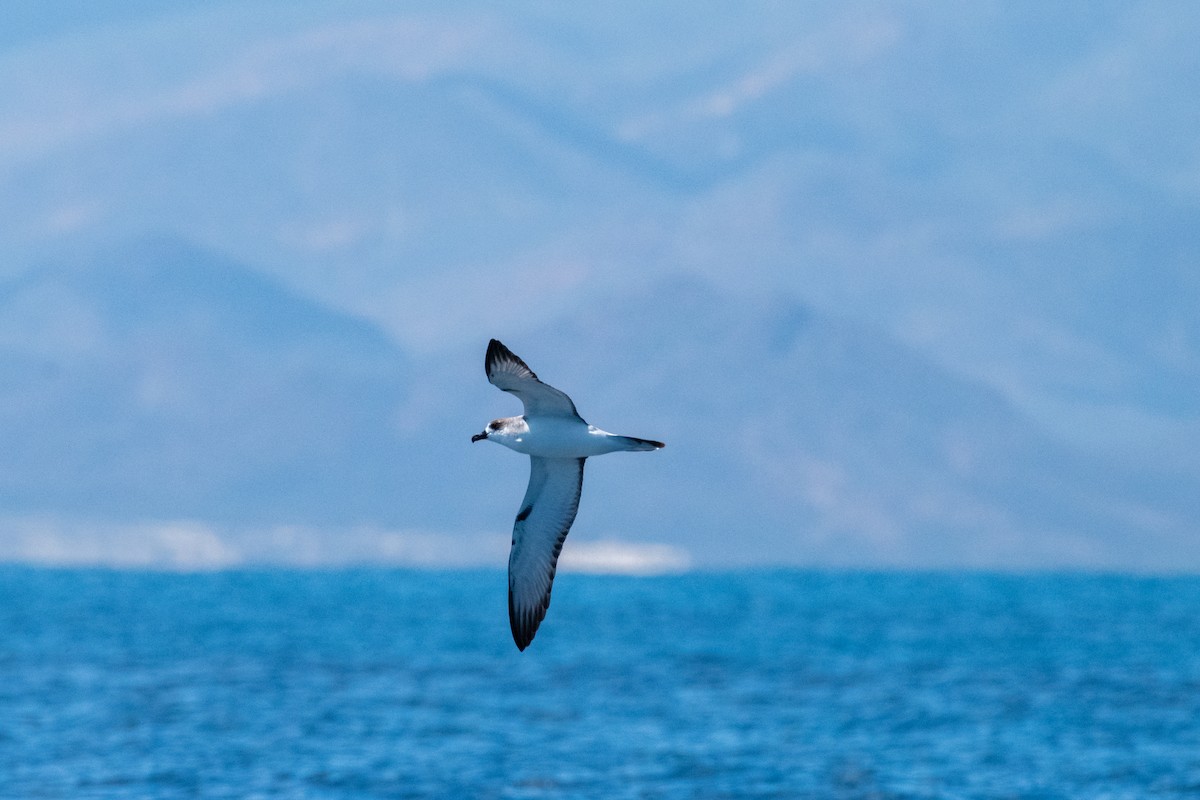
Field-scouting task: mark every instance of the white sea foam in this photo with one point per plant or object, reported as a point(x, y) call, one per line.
point(174, 544)
point(193, 545)
point(611, 557)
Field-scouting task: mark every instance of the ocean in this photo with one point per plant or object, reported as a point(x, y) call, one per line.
point(789, 684)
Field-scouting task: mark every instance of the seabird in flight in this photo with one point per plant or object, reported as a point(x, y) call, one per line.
point(557, 441)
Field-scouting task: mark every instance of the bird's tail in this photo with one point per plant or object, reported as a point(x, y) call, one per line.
point(635, 444)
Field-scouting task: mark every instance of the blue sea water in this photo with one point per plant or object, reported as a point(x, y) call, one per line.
point(396, 684)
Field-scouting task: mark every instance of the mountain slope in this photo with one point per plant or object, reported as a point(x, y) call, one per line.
point(797, 436)
point(160, 380)
point(1009, 190)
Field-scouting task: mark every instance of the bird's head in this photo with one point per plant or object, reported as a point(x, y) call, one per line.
point(492, 427)
point(501, 430)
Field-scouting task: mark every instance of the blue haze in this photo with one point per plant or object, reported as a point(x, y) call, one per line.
point(932, 267)
point(372, 684)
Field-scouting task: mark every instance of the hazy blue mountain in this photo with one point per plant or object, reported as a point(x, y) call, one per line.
point(826, 439)
point(1009, 190)
point(983, 217)
point(164, 382)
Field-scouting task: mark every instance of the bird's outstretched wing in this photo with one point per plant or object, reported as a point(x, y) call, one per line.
point(542, 524)
point(506, 371)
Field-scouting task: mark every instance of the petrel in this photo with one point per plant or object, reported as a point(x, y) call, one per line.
point(557, 441)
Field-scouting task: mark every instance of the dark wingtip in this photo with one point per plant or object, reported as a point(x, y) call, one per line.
point(497, 353)
point(521, 633)
point(523, 628)
point(495, 350)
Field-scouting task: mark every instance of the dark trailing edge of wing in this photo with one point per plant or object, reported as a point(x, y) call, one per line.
point(525, 623)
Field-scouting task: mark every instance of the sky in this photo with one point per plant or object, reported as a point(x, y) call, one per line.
point(932, 267)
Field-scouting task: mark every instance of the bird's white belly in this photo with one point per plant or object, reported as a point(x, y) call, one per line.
point(562, 438)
